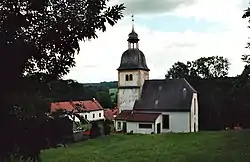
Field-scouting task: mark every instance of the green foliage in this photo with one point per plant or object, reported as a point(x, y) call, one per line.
point(204, 67)
point(49, 31)
point(41, 36)
point(193, 147)
point(113, 94)
point(104, 98)
point(66, 90)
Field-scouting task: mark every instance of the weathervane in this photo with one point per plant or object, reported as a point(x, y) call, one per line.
point(133, 21)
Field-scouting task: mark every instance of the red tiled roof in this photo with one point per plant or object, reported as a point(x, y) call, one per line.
point(115, 111)
point(108, 114)
point(142, 117)
point(89, 105)
point(123, 115)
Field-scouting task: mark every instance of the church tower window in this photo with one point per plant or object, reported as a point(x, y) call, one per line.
point(126, 77)
point(130, 77)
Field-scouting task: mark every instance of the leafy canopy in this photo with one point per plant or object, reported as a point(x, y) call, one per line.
point(44, 35)
point(40, 36)
point(204, 67)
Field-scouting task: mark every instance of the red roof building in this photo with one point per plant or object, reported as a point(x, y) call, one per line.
point(86, 106)
point(91, 110)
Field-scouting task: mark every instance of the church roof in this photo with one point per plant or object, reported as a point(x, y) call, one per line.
point(133, 59)
point(133, 37)
point(165, 95)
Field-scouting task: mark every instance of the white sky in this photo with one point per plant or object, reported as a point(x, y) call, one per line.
point(99, 58)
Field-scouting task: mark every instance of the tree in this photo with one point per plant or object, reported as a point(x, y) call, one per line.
point(246, 57)
point(41, 35)
point(179, 70)
point(211, 67)
point(104, 98)
point(204, 67)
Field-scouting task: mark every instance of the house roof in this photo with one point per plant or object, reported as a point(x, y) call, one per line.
point(88, 105)
point(123, 115)
point(165, 95)
point(108, 114)
point(142, 117)
point(115, 111)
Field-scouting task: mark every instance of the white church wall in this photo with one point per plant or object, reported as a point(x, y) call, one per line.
point(127, 98)
point(194, 117)
point(178, 122)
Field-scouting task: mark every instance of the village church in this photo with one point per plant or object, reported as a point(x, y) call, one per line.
point(152, 106)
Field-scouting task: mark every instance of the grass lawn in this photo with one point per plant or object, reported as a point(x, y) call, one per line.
point(226, 146)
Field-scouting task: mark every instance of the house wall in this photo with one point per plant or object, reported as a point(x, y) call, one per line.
point(178, 121)
point(158, 120)
point(194, 117)
point(93, 115)
point(116, 125)
point(134, 126)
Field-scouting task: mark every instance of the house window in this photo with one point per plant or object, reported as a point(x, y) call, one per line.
point(118, 125)
point(160, 88)
point(100, 114)
point(126, 77)
point(86, 117)
point(145, 126)
point(165, 121)
point(93, 115)
point(130, 77)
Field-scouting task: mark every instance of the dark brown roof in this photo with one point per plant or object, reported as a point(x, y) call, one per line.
point(123, 115)
point(165, 95)
point(133, 58)
point(142, 117)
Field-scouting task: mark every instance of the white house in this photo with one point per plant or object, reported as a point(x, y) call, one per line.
point(91, 109)
point(152, 106)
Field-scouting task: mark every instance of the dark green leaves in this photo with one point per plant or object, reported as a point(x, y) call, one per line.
point(53, 28)
point(204, 67)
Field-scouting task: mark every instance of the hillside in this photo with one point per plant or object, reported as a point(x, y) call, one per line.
point(194, 147)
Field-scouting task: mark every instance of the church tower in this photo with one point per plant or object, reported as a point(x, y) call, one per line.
point(132, 73)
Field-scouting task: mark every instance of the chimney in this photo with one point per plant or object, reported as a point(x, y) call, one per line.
point(93, 99)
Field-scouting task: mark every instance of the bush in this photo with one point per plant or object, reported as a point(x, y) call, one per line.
point(94, 130)
point(107, 127)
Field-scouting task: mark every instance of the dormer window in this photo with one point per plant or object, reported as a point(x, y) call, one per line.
point(129, 77)
point(184, 93)
point(160, 88)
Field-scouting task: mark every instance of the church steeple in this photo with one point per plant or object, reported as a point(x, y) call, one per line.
point(133, 58)
point(133, 37)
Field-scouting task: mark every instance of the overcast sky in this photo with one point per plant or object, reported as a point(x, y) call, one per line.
point(169, 31)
